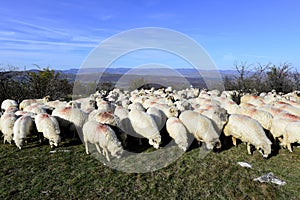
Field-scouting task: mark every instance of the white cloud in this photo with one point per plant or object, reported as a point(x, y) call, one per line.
point(73, 44)
point(7, 33)
point(37, 27)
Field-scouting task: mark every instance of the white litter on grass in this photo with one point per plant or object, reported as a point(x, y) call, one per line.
point(269, 177)
point(62, 150)
point(244, 164)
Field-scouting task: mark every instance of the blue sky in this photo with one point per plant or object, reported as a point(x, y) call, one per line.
point(62, 33)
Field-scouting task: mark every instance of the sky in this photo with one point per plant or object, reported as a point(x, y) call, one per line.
point(62, 34)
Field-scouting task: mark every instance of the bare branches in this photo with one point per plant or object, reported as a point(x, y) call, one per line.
point(264, 77)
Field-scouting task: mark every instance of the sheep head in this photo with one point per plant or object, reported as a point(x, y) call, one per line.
point(265, 150)
point(155, 141)
point(216, 143)
point(20, 142)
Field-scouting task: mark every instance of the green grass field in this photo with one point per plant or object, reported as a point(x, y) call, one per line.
point(34, 173)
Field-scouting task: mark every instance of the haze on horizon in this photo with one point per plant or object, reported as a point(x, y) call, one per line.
point(62, 33)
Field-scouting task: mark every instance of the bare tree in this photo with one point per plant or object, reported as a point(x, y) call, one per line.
point(278, 78)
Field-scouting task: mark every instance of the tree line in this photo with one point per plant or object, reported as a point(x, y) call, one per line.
point(263, 78)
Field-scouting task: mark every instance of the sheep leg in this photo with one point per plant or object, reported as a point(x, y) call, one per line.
point(41, 137)
point(249, 148)
point(233, 140)
point(289, 146)
point(199, 143)
point(98, 148)
point(105, 151)
point(86, 148)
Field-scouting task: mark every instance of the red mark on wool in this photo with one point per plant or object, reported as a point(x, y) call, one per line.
point(281, 103)
point(291, 116)
point(231, 102)
point(66, 110)
point(252, 111)
point(102, 128)
point(44, 115)
point(209, 107)
point(105, 116)
point(152, 103)
point(276, 110)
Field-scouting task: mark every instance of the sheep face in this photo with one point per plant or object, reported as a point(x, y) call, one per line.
point(265, 150)
point(183, 146)
point(117, 151)
point(20, 142)
point(216, 143)
point(172, 112)
point(54, 141)
point(155, 141)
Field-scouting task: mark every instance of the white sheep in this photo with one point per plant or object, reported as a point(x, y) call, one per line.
point(23, 127)
point(291, 135)
point(21, 113)
point(105, 118)
point(178, 132)
point(218, 115)
point(103, 105)
point(56, 104)
point(72, 118)
point(102, 136)
point(231, 106)
point(11, 109)
point(183, 105)
point(7, 121)
point(263, 117)
point(144, 125)
point(121, 112)
point(35, 108)
point(27, 102)
point(201, 127)
point(86, 104)
point(288, 108)
point(249, 131)
point(272, 110)
point(167, 110)
point(256, 102)
point(125, 124)
point(246, 98)
point(48, 125)
point(280, 122)
point(158, 116)
point(136, 106)
point(8, 103)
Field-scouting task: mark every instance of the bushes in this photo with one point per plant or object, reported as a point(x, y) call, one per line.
point(21, 85)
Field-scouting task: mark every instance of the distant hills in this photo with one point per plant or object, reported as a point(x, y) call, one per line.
point(186, 72)
point(123, 77)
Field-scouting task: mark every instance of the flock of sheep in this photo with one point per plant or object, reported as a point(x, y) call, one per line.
point(105, 119)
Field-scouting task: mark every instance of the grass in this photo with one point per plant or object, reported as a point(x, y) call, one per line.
point(34, 173)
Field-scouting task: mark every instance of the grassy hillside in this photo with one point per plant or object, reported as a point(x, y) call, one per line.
point(34, 173)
